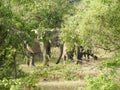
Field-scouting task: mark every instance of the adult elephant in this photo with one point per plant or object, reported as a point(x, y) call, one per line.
point(52, 40)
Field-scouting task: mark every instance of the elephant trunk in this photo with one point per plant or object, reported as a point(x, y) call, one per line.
point(61, 52)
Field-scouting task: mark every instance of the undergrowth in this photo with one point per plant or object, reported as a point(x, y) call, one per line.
point(106, 79)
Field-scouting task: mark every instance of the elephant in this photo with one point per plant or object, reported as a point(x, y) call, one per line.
point(34, 49)
point(69, 54)
point(86, 53)
point(80, 52)
point(45, 47)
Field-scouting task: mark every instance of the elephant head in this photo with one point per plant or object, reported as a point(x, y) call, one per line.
point(53, 41)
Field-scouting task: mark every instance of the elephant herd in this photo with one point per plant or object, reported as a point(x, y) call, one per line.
point(44, 48)
point(80, 52)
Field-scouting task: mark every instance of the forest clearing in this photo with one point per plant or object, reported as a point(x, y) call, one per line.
point(67, 75)
point(59, 44)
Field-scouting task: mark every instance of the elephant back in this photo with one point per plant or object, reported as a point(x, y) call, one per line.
point(35, 47)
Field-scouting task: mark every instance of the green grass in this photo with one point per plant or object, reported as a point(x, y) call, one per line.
point(64, 76)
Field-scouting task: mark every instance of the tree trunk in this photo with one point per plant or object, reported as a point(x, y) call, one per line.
point(46, 53)
point(15, 66)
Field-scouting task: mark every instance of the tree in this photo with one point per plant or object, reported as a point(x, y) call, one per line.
point(96, 23)
point(13, 31)
point(18, 20)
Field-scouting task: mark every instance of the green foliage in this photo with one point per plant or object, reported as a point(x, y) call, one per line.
point(105, 80)
point(101, 82)
point(18, 20)
point(7, 64)
point(70, 73)
point(111, 63)
point(24, 83)
point(7, 84)
point(65, 72)
point(13, 31)
point(93, 23)
point(29, 81)
point(7, 70)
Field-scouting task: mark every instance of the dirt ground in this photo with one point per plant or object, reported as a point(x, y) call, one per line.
point(87, 68)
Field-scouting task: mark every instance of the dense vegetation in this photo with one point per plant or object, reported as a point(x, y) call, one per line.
point(94, 24)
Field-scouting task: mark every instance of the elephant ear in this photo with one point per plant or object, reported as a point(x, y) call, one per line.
point(35, 47)
point(55, 37)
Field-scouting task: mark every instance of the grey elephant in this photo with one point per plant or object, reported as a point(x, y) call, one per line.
point(45, 47)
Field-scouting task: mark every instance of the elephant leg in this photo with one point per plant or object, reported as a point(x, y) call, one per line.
point(79, 58)
point(65, 57)
point(95, 57)
point(33, 60)
point(79, 55)
point(47, 52)
point(28, 62)
point(88, 56)
point(46, 63)
point(70, 55)
point(61, 52)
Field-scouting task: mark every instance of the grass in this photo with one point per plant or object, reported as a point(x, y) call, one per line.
point(61, 85)
point(64, 76)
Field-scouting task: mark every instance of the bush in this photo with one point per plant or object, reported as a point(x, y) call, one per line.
point(101, 82)
point(105, 80)
point(25, 83)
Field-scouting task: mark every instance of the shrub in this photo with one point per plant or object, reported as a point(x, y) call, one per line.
point(105, 80)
